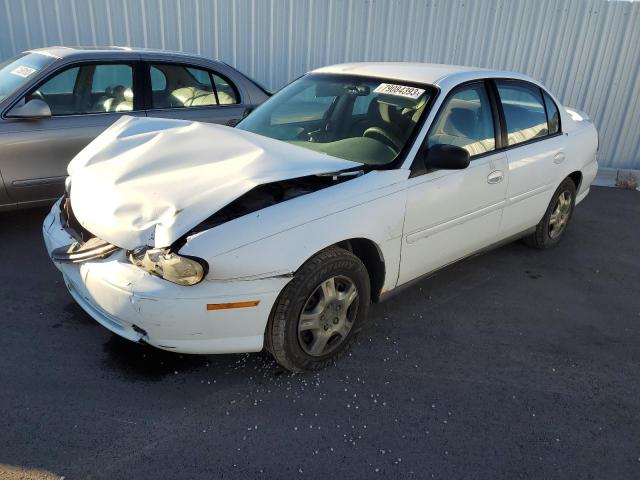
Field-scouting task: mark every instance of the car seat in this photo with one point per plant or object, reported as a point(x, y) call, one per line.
point(116, 98)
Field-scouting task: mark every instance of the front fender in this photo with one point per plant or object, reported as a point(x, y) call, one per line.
point(375, 214)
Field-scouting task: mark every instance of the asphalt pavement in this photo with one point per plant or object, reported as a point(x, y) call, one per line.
point(514, 364)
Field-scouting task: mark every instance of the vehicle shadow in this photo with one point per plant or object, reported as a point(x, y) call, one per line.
point(138, 362)
point(20, 237)
point(20, 225)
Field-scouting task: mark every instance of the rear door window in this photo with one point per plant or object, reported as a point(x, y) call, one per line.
point(158, 80)
point(524, 111)
point(184, 86)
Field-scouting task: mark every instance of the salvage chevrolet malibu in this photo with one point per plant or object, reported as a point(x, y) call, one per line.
point(350, 182)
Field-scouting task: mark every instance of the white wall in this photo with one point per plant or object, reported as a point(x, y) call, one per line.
point(586, 51)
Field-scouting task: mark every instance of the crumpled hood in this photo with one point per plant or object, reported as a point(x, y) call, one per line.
point(148, 181)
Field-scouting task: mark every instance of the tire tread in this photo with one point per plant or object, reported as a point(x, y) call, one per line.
point(275, 335)
point(540, 239)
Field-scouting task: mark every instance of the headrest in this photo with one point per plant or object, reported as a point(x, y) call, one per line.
point(116, 91)
point(184, 94)
point(461, 122)
point(383, 111)
point(128, 95)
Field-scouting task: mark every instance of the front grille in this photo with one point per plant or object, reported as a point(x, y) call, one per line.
point(71, 223)
point(86, 246)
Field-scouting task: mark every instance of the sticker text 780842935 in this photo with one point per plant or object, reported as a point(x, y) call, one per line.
point(399, 90)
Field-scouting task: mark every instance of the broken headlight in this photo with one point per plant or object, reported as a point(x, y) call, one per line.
point(168, 265)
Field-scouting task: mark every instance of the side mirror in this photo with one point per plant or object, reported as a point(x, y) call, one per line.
point(446, 157)
point(34, 108)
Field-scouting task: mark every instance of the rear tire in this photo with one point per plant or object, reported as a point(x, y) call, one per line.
point(319, 313)
point(554, 224)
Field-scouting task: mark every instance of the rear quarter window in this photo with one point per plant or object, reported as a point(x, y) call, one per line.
point(553, 116)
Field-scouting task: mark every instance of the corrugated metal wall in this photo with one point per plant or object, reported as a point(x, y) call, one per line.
point(586, 51)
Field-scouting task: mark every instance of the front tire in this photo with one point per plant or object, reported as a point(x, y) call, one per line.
point(319, 313)
point(554, 224)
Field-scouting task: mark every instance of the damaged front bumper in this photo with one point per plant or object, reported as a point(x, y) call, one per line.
point(81, 252)
point(142, 307)
point(84, 246)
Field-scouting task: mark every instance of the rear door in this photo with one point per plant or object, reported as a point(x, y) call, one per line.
point(192, 92)
point(535, 149)
point(85, 98)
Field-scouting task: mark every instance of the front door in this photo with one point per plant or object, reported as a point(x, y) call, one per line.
point(84, 101)
point(6, 203)
point(452, 213)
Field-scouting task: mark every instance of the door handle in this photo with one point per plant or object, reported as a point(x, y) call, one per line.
point(495, 177)
point(558, 158)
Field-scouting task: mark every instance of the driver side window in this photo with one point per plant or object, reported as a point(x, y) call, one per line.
point(100, 88)
point(58, 92)
point(465, 120)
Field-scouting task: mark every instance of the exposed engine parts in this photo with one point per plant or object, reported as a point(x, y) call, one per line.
point(264, 196)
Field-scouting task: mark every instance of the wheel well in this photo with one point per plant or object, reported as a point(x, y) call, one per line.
point(577, 179)
point(367, 251)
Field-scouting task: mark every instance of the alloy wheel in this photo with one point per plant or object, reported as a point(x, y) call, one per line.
point(560, 216)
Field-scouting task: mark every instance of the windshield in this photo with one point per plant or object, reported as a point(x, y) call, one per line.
point(362, 119)
point(17, 71)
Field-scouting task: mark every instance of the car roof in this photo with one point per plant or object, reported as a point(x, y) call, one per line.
point(64, 52)
point(429, 73)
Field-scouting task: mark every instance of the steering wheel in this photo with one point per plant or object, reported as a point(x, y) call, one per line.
point(386, 137)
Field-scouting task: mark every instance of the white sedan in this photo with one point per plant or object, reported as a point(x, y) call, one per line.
point(349, 183)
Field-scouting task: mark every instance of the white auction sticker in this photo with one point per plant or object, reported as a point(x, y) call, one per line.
point(23, 71)
point(399, 90)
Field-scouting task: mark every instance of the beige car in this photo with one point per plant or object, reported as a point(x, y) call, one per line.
point(54, 101)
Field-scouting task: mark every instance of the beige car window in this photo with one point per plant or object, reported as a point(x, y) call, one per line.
point(181, 86)
point(58, 92)
point(92, 88)
point(112, 87)
point(226, 93)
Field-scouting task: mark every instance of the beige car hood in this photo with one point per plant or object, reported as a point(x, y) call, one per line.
point(148, 181)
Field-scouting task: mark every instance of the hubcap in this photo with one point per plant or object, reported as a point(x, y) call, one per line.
point(327, 316)
point(560, 216)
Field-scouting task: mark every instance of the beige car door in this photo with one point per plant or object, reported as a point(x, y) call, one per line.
point(84, 100)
